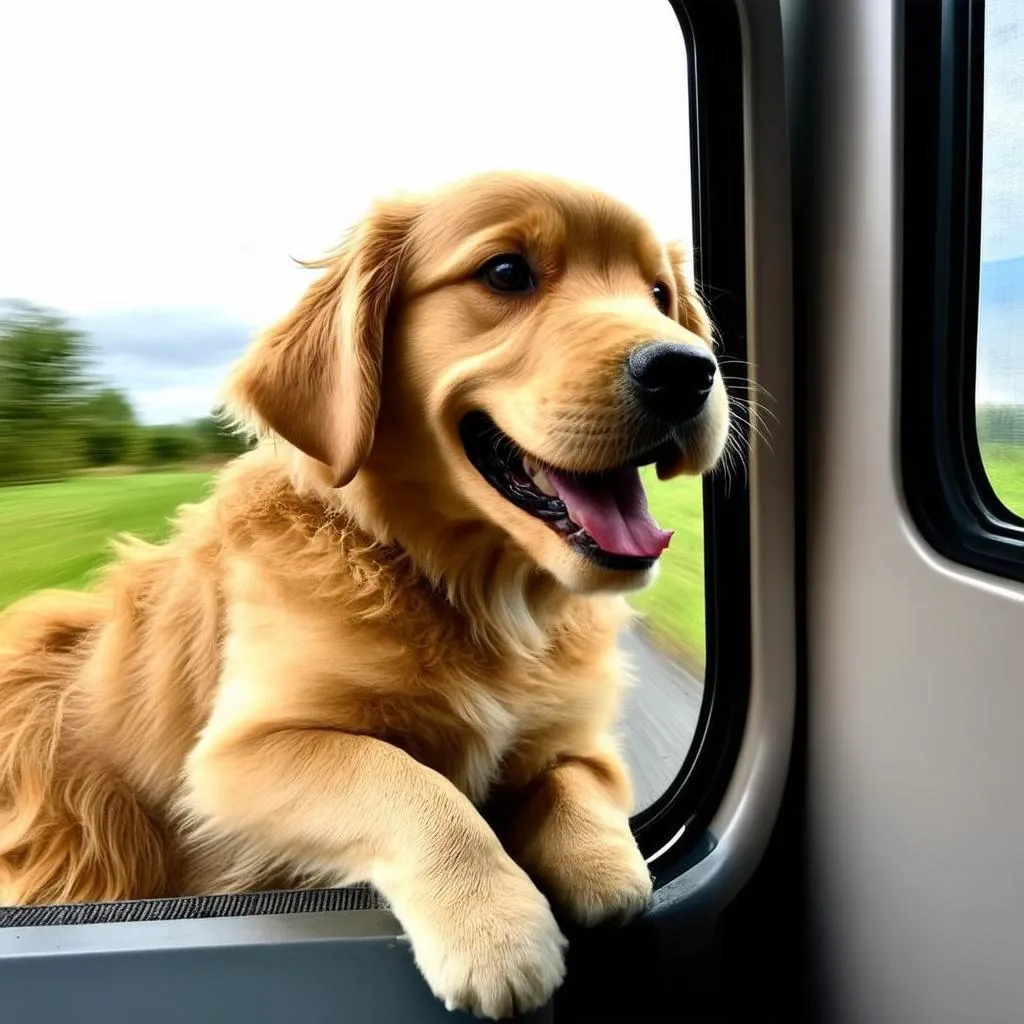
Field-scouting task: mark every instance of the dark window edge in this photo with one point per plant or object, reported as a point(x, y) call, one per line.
point(680, 817)
point(945, 483)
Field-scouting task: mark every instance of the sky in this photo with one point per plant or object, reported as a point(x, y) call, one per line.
point(1002, 188)
point(164, 162)
point(170, 159)
point(1001, 310)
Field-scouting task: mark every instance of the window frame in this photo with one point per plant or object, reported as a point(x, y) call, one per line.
point(946, 486)
point(672, 831)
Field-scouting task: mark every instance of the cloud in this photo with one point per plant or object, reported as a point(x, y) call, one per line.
point(170, 362)
point(167, 338)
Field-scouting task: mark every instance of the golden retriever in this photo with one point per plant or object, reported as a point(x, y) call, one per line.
point(385, 647)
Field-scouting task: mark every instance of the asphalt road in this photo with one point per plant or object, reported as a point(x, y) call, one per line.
point(659, 718)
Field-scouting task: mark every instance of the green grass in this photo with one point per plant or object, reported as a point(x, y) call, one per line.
point(57, 535)
point(673, 608)
point(1004, 464)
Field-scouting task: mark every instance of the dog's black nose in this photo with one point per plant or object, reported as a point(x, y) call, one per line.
point(671, 380)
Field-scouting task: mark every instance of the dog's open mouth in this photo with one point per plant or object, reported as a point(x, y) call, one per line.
point(604, 515)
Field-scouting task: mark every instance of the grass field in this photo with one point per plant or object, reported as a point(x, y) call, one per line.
point(59, 534)
point(673, 608)
point(1004, 465)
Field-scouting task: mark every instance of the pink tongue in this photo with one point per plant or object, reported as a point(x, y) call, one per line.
point(613, 510)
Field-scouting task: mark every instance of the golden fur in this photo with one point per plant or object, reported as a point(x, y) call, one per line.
point(356, 643)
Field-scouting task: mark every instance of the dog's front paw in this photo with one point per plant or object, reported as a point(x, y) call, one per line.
point(497, 953)
point(600, 878)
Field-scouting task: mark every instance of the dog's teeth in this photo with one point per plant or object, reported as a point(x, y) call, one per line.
point(543, 484)
point(539, 477)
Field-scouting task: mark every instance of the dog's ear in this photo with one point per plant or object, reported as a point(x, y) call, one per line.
point(690, 310)
point(314, 378)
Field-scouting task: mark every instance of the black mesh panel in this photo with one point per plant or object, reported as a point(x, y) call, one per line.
point(354, 897)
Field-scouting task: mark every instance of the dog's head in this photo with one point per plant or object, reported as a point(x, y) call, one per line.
point(502, 356)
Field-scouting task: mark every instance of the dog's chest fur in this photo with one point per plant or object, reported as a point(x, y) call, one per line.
point(487, 692)
point(486, 721)
point(494, 730)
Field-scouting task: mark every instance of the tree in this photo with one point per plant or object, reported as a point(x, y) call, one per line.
point(43, 365)
point(218, 439)
point(170, 443)
point(1000, 424)
point(44, 381)
point(110, 428)
point(108, 405)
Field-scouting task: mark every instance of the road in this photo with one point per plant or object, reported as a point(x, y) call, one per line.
point(659, 718)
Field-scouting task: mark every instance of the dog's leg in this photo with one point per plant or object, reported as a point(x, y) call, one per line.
point(571, 832)
point(322, 800)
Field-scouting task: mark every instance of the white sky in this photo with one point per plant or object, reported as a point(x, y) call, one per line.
point(176, 154)
point(171, 156)
point(1003, 147)
point(1001, 330)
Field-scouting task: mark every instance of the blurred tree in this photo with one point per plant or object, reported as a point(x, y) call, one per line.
point(44, 382)
point(1000, 424)
point(110, 428)
point(55, 418)
point(109, 405)
point(218, 439)
point(170, 443)
point(43, 365)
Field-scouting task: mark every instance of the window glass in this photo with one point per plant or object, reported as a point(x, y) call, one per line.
point(1000, 372)
point(164, 164)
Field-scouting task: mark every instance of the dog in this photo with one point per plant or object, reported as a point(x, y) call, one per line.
point(385, 647)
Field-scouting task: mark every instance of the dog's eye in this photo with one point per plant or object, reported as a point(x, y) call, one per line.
point(508, 273)
point(663, 297)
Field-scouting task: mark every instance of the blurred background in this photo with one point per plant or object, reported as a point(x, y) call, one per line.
point(164, 163)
